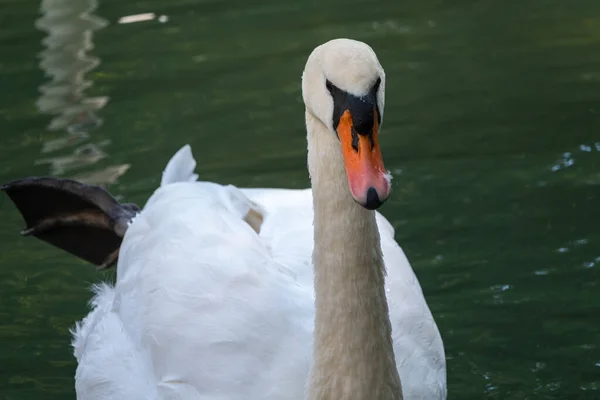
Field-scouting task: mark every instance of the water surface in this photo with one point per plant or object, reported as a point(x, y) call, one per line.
point(491, 130)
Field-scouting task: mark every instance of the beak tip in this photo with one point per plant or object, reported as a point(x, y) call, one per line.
point(373, 201)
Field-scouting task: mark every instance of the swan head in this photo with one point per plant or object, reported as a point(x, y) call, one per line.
point(343, 86)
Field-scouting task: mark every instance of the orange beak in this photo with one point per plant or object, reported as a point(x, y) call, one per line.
point(368, 181)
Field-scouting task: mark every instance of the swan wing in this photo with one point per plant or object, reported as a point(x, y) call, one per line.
point(200, 307)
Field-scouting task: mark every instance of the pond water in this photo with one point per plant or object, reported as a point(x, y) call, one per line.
point(492, 131)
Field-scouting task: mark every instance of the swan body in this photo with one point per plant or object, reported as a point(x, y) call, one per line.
point(229, 293)
point(204, 308)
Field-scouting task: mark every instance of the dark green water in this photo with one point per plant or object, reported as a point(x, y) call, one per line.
point(492, 130)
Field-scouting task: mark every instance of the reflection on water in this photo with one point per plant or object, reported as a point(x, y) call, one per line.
point(70, 25)
point(83, 155)
point(567, 159)
point(129, 19)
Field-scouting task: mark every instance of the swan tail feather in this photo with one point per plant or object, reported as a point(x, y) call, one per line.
point(81, 219)
point(180, 167)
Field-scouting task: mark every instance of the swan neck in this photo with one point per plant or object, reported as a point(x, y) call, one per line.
point(353, 353)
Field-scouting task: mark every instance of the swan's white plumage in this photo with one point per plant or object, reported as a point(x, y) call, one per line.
point(204, 308)
point(180, 167)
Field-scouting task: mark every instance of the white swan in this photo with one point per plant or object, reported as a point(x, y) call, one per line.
point(214, 294)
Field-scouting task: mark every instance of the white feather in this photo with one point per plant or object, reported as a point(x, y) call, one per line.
point(180, 168)
point(204, 308)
